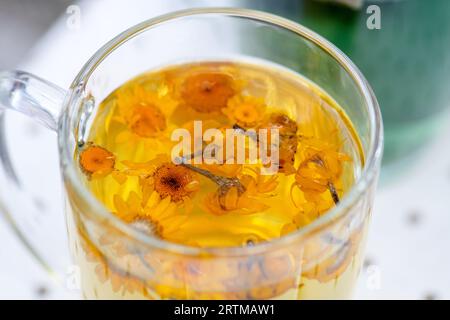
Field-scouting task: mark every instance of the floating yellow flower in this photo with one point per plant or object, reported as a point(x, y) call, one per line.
point(144, 112)
point(257, 183)
point(245, 111)
point(321, 165)
point(244, 197)
point(96, 161)
point(158, 217)
point(166, 179)
point(288, 140)
point(207, 92)
point(174, 181)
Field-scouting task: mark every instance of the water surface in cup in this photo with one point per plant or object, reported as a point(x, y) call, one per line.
point(129, 165)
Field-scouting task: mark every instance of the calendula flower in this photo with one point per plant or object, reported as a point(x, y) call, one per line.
point(288, 140)
point(245, 197)
point(96, 161)
point(320, 166)
point(245, 111)
point(141, 111)
point(147, 120)
point(319, 171)
point(175, 181)
point(207, 91)
point(257, 183)
point(166, 179)
point(158, 216)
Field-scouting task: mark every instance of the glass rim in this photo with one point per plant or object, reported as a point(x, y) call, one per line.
point(368, 174)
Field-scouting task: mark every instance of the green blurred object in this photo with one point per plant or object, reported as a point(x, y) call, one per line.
point(407, 61)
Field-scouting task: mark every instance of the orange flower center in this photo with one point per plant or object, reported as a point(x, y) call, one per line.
point(147, 120)
point(172, 180)
point(207, 92)
point(247, 114)
point(96, 159)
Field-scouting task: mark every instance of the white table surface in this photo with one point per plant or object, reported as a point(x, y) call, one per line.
point(407, 254)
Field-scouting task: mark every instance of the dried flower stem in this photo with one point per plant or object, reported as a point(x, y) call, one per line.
point(333, 192)
point(224, 183)
point(331, 186)
point(244, 131)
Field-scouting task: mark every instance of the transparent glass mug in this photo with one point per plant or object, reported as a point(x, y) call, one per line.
point(115, 260)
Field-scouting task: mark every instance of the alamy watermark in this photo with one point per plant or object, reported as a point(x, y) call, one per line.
point(227, 146)
point(73, 21)
point(374, 20)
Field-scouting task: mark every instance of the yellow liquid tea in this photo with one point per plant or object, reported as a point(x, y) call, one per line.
point(199, 201)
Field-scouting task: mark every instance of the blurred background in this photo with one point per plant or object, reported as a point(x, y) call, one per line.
point(406, 60)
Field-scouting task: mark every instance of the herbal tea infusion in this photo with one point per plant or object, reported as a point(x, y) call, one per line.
point(219, 154)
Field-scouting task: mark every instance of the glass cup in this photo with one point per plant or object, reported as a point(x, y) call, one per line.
point(115, 260)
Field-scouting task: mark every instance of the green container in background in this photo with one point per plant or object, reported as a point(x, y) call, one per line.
point(407, 61)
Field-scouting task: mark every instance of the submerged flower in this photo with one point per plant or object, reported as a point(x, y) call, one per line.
point(258, 183)
point(166, 179)
point(146, 120)
point(245, 111)
point(321, 165)
point(158, 217)
point(175, 181)
point(96, 161)
point(288, 140)
point(141, 110)
point(207, 91)
point(244, 200)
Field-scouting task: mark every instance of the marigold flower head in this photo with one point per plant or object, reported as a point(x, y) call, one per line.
point(166, 179)
point(246, 111)
point(321, 165)
point(141, 111)
point(288, 140)
point(158, 217)
point(96, 160)
point(175, 181)
point(207, 91)
point(146, 121)
point(249, 200)
point(258, 184)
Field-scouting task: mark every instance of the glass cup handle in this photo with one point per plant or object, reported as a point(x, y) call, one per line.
point(42, 101)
